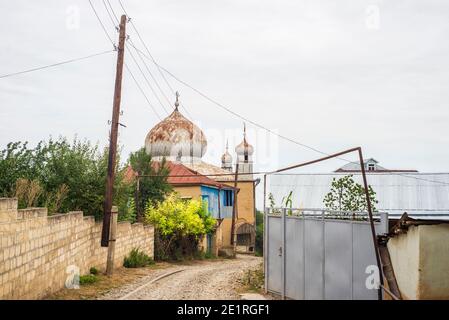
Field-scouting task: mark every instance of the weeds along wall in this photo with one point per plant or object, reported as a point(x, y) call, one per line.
point(38, 253)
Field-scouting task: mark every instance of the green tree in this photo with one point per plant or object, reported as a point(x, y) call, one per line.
point(72, 175)
point(128, 211)
point(347, 195)
point(153, 186)
point(16, 161)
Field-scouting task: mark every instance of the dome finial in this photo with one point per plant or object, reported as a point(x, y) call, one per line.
point(227, 140)
point(177, 101)
point(244, 131)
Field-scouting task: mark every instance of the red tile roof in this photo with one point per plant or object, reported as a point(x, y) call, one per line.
point(181, 175)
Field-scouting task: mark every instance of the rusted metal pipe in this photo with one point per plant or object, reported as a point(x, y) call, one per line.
point(335, 155)
point(391, 294)
point(370, 214)
point(234, 205)
point(388, 271)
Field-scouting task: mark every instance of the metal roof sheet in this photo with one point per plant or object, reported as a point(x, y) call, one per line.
point(206, 169)
point(418, 193)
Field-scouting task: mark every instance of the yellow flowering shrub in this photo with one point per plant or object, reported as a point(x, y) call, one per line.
point(181, 217)
point(179, 226)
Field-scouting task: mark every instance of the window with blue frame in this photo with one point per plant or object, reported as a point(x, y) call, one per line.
point(227, 201)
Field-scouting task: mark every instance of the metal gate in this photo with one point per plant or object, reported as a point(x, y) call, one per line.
point(315, 256)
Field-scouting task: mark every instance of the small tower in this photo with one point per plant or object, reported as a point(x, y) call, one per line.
point(245, 157)
point(226, 159)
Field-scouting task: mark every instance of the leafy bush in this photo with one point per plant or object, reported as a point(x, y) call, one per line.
point(88, 279)
point(179, 225)
point(67, 175)
point(128, 212)
point(175, 216)
point(137, 259)
point(93, 271)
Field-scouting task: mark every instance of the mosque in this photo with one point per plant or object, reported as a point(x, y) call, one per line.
point(183, 145)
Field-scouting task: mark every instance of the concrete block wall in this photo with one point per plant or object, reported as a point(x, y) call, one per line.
point(38, 252)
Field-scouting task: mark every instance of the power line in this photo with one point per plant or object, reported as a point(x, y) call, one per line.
point(153, 60)
point(141, 90)
point(154, 79)
point(111, 17)
point(228, 109)
point(269, 130)
point(126, 65)
point(55, 64)
point(236, 114)
point(148, 51)
point(146, 79)
point(102, 25)
point(146, 48)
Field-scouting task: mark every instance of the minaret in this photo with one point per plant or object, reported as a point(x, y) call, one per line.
point(226, 160)
point(245, 157)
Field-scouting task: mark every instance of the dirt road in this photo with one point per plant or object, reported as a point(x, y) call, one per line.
point(208, 279)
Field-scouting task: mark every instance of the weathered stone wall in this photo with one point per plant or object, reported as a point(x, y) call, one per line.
point(38, 252)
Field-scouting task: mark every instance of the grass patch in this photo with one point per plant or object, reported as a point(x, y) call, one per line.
point(201, 255)
point(254, 280)
point(88, 279)
point(137, 259)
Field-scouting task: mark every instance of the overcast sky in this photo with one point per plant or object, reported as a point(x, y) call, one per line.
point(330, 74)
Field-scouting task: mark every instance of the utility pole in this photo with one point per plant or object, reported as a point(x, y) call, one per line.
point(113, 136)
point(234, 207)
point(112, 238)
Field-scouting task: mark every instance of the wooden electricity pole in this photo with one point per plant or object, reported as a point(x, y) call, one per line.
point(113, 136)
point(112, 238)
point(234, 207)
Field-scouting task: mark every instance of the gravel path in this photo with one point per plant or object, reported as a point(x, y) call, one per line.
point(207, 280)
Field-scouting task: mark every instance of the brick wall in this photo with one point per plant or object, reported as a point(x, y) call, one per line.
point(38, 251)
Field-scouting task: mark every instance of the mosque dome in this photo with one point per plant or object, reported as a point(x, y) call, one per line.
point(244, 148)
point(176, 138)
point(226, 158)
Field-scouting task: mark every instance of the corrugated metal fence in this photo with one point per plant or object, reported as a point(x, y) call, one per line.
point(317, 257)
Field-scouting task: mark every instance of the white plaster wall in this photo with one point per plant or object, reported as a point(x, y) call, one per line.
point(420, 260)
point(404, 253)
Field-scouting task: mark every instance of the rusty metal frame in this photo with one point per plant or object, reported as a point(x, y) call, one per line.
point(369, 206)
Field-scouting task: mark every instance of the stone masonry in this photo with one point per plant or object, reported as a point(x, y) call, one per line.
point(38, 252)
